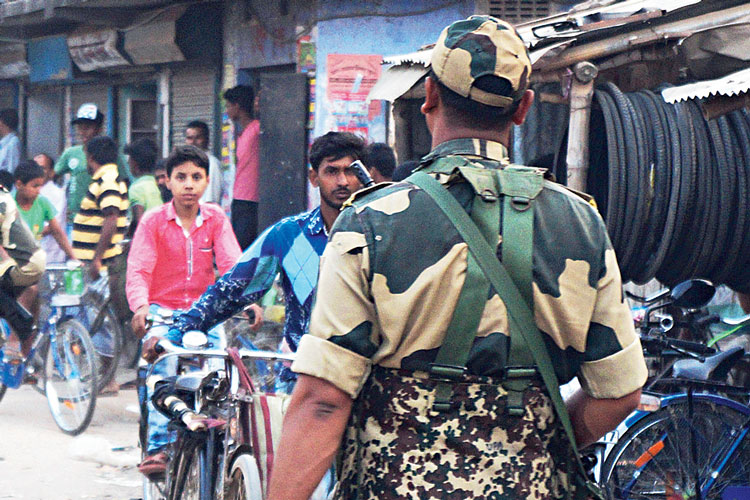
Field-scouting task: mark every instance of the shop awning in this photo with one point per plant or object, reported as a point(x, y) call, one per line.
point(94, 50)
point(152, 41)
point(730, 85)
point(13, 62)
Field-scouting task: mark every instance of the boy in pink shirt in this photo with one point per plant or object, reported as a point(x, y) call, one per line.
point(171, 263)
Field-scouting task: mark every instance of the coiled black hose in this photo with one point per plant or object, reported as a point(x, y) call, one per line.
point(676, 187)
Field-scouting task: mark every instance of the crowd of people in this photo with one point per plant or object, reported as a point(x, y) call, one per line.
point(379, 283)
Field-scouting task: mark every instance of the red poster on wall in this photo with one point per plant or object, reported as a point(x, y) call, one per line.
point(351, 76)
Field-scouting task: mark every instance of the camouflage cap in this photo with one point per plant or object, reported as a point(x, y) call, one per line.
point(481, 46)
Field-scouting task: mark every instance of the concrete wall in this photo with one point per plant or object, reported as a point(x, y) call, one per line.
point(386, 28)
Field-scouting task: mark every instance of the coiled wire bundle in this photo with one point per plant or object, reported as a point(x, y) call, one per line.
point(672, 187)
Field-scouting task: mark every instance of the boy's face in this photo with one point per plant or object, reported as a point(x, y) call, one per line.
point(187, 182)
point(30, 190)
point(46, 164)
point(86, 131)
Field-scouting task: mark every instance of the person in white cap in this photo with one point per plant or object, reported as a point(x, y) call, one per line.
point(88, 124)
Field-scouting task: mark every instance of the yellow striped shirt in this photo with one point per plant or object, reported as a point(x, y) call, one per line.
point(106, 190)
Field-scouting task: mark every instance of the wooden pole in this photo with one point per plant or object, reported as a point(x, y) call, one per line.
point(581, 94)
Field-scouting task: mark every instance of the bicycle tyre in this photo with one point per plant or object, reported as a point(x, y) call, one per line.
point(70, 377)
point(3, 389)
point(106, 329)
point(186, 469)
point(244, 480)
point(645, 463)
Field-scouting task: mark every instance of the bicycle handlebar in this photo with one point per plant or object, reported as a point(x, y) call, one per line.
point(683, 346)
point(661, 294)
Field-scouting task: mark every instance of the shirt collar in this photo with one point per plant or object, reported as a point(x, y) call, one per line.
point(172, 215)
point(315, 223)
point(481, 148)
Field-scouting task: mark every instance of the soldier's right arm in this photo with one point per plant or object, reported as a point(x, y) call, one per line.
point(342, 337)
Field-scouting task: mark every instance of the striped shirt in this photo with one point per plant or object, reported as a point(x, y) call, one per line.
point(106, 190)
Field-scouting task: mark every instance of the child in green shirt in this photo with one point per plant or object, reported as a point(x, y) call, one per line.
point(36, 210)
point(143, 193)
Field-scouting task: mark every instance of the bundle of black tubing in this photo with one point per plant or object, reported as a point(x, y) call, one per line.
point(672, 187)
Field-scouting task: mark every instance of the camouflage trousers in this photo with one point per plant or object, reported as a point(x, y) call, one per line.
point(397, 446)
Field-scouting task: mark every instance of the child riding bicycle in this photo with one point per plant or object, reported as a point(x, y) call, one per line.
point(21, 265)
point(177, 244)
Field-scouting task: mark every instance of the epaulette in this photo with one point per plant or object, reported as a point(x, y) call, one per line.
point(364, 192)
point(584, 196)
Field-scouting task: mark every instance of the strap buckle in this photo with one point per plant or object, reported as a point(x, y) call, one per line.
point(520, 203)
point(443, 390)
point(449, 373)
point(488, 195)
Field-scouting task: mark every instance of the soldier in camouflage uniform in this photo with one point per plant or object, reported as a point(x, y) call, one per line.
point(390, 279)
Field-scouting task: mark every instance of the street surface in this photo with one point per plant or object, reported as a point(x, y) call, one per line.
point(39, 462)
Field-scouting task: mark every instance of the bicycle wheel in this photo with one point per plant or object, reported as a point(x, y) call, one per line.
point(107, 335)
point(244, 482)
point(683, 450)
point(185, 475)
point(70, 377)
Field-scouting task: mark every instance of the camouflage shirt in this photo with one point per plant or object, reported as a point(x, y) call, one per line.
point(392, 272)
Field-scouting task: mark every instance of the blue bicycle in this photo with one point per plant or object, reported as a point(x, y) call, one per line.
point(62, 364)
point(688, 440)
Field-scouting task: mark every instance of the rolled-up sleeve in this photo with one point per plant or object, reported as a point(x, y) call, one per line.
point(342, 338)
point(621, 370)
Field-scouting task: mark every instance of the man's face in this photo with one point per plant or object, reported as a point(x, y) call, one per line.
point(233, 111)
point(46, 164)
point(86, 131)
point(336, 181)
point(188, 182)
point(195, 137)
point(161, 176)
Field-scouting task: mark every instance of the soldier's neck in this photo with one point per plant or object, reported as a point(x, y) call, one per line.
point(447, 132)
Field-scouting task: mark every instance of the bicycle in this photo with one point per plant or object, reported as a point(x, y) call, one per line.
point(221, 448)
point(66, 357)
point(688, 440)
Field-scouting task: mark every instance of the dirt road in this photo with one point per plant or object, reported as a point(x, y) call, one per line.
point(39, 462)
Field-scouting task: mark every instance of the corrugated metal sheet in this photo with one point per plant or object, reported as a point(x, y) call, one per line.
point(732, 84)
point(193, 97)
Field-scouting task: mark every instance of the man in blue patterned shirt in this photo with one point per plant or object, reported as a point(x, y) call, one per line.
point(292, 247)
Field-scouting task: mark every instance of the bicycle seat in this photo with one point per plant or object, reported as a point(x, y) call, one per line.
point(715, 367)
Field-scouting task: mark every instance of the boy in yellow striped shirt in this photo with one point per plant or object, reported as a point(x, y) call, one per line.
point(101, 220)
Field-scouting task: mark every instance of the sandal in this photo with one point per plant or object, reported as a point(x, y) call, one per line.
point(154, 465)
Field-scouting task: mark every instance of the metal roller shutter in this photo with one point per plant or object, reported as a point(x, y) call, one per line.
point(193, 97)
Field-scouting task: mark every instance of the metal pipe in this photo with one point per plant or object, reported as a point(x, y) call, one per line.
point(581, 94)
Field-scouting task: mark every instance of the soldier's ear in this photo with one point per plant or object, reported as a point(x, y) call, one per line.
point(432, 96)
point(523, 107)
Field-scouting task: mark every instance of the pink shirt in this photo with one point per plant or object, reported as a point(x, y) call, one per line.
point(246, 178)
point(168, 268)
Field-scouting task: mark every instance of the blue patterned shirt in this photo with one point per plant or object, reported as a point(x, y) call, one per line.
point(293, 247)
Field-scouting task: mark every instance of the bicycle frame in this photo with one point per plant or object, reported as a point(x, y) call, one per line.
point(237, 428)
